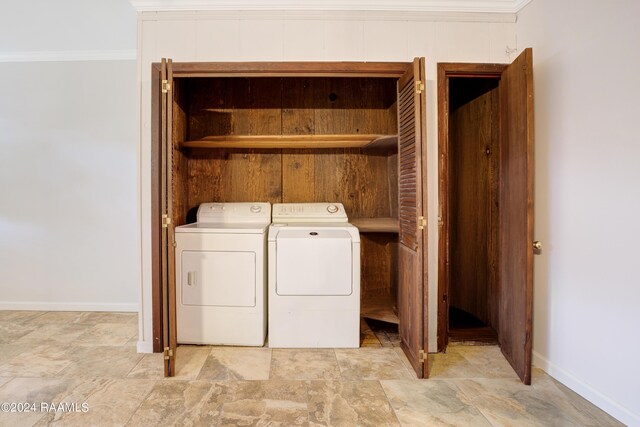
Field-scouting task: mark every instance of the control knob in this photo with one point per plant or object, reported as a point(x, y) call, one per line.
point(332, 209)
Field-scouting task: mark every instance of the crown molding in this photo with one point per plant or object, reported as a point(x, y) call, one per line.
point(520, 4)
point(437, 6)
point(330, 15)
point(68, 55)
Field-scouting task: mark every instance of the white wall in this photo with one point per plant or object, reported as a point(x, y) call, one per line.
point(311, 36)
point(69, 224)
point(587, 281)
point(67, 25)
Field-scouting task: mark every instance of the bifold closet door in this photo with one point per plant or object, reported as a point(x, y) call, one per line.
point(412, 295)
point(516, 214)
point(168, 237)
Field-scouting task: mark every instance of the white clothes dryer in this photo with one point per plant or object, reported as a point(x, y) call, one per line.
point(221, 275)
point(314, 277)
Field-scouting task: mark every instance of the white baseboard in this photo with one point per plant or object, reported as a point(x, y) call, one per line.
point(68, 306)
point(605, 403)
point(145, 347)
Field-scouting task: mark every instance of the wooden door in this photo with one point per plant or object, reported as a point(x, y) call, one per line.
point(412, 295)
point(516, 214)
point(168, 238)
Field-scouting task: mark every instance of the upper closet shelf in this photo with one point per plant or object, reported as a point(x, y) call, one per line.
point(295, 141)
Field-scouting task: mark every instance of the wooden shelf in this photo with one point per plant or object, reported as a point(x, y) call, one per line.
point(376, 225)
point(382, 307)
point(384, 142)
point(294, 141)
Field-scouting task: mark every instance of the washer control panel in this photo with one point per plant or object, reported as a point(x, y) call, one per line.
point(309, 212)
point(234, 212)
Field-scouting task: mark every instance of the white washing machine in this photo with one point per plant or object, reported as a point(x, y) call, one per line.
point(314, 277)
point(221, 275)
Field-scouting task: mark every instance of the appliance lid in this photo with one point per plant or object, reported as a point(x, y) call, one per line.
point(309, 212)
point(218, 228)
point(234, 213)
point(276, 228)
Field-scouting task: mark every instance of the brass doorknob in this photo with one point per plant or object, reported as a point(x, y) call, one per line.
point(537, 245)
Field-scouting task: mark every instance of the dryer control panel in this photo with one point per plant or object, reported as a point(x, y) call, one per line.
point(309, 212)
point(234, 213)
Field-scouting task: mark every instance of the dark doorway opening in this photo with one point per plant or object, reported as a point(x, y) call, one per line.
point(474, 138)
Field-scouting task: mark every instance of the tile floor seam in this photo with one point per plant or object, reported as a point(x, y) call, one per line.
point(5, 384)
point(135, 366)
point(308, 405)
point(487, 418)
point(569, 401)
point(389, 401)
point(308, 385)
point(197, 374)
point(225, 398)
point(470, 402)
point(412, 374)
point(39, 315)
point(454, 381)
point(481, 412)
point(70, 392)
point(335, 355)
point(155, 382)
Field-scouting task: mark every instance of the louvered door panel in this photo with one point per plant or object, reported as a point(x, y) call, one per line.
point(407, 171)
point(412, 296)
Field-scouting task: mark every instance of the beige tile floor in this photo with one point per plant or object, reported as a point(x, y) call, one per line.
point(91, 358)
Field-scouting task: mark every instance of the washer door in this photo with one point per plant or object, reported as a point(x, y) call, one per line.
point(218, 278)
point(314, 262)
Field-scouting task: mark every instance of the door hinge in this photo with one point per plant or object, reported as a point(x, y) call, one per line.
point(165, 221)
point(419, 86)
point(168, 353)
point(166, 86)
point(422, 356)
point(421, 223)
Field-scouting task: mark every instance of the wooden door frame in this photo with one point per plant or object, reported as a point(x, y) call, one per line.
point(156, 209)
point(445, 72)
point(393, 70)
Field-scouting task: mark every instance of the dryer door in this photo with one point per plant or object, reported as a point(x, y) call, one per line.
point(218, 278)
point(314, 262)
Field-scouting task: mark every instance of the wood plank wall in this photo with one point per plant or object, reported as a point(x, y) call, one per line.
point(474, 142)
point(365, 182)
point(379, 265)
point(292, 106)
